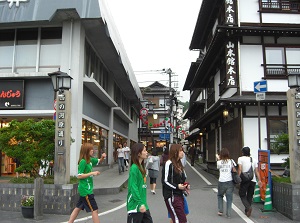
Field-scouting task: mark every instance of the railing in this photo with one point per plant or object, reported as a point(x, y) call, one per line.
point(281, 5)
point(281, 69)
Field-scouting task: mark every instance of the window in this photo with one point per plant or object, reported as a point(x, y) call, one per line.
point(275, 128)
point(161, 102)
point(281, 61)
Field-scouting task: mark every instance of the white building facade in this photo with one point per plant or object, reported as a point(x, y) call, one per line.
point(79, 38)
point(242, 42)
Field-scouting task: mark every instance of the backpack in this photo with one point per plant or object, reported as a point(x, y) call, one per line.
point(247, 176)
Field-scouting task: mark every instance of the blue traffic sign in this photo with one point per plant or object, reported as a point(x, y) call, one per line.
point(164, 136)
point(260, 86)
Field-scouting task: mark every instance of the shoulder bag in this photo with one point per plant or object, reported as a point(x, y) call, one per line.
point(247, 176)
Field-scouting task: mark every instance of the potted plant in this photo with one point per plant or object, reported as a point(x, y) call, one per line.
point(27, 206)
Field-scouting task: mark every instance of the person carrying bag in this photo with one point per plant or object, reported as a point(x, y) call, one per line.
point(247, 185)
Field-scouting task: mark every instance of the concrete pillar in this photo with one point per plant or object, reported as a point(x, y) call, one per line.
point(111, 148)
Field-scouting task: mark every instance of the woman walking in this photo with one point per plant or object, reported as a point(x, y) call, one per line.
point(173, 179)
point(137, 207)
point(225, 184)
point(153, 170)
point(86, 185)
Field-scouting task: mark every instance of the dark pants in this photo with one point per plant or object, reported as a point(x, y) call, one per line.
point(175, 207)
point(140, 217)
point(246, 193)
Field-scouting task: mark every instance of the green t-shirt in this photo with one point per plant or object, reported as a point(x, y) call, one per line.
point(137, 190)
point(86, 185)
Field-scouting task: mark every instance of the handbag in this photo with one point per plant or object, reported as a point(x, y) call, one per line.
point(236, 179)
point(247, 176)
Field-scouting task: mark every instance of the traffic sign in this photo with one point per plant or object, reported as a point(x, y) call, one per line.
point(260, 96)
point(260, 86)
point(144, 112)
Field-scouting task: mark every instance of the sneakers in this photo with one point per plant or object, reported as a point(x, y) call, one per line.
point(220, 213)
point(153, 192)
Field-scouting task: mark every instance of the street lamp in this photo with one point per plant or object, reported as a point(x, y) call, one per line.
point(294, 80)
point(62, 83)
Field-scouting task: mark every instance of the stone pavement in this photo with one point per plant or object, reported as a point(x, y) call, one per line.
point(112, 206)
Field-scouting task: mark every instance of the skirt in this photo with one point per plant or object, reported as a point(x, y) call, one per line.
point(153, 173)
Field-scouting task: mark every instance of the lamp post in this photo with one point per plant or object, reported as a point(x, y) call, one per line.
point(62, 84)
point(293, 106)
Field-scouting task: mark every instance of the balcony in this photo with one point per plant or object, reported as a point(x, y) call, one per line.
point(280, 70)
point(284, 6)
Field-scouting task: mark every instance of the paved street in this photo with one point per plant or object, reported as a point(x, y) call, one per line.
point(202, 205)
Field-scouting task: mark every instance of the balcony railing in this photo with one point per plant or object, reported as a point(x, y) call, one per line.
point(281, 6)
point(277, 70)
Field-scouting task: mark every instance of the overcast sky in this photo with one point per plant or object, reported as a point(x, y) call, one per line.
point(157, 34)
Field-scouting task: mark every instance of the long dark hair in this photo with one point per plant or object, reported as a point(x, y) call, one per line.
point(174, 157)
point(85, 152)
point(224, 154)
point(135, 151)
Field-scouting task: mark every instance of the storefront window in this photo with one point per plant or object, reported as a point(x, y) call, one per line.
point(96, 135)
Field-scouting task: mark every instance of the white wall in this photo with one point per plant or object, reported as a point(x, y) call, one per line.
point(251, 70)
point(248, 11)
point(280, 18)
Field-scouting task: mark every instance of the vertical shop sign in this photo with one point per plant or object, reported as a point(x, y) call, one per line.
point(230, 12)
point(231, 68)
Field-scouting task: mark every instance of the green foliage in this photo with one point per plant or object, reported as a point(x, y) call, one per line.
point(282, 179)
point(185, 105)
point(27, 201)
point(30, 142)
point(281, 144)
point(286, 162)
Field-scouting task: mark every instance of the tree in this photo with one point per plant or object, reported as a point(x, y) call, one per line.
point(185, 105)
point(281, 144)
point(30, 142)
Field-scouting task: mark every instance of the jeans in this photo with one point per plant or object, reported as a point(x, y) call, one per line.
point(227, 189)
point(121, 164)
point(246, 193)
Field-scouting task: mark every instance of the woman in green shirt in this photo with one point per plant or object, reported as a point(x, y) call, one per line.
point(137, 207)
point(85, 188)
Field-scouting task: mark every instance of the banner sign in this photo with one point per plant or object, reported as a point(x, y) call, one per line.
point(12, 94)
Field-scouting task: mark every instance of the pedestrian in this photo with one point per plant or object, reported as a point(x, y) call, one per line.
point(137, 207)
point(193, 152)
point(85, 187)
point(164, 147)
point(164, 157)
point(120, 151)
point(126, 155)
point(186, 206)
point(152, 166)
point(173, 180)
point(225, 184)
point(246, 191)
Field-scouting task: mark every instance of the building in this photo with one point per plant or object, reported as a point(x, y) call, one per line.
point(241, 44)
point(79, 38)
point(157, 126)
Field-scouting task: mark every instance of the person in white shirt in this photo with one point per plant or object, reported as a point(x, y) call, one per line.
point(120, 152)
point(225, 184)
point(247, 188)
point(126, 155)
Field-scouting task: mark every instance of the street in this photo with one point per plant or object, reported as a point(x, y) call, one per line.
point(202, 204)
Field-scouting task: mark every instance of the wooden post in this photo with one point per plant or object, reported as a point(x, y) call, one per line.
point(38, 198)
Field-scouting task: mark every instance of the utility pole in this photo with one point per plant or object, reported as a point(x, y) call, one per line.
point(169, 72)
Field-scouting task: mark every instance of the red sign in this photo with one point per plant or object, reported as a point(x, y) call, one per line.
point(144, 112)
